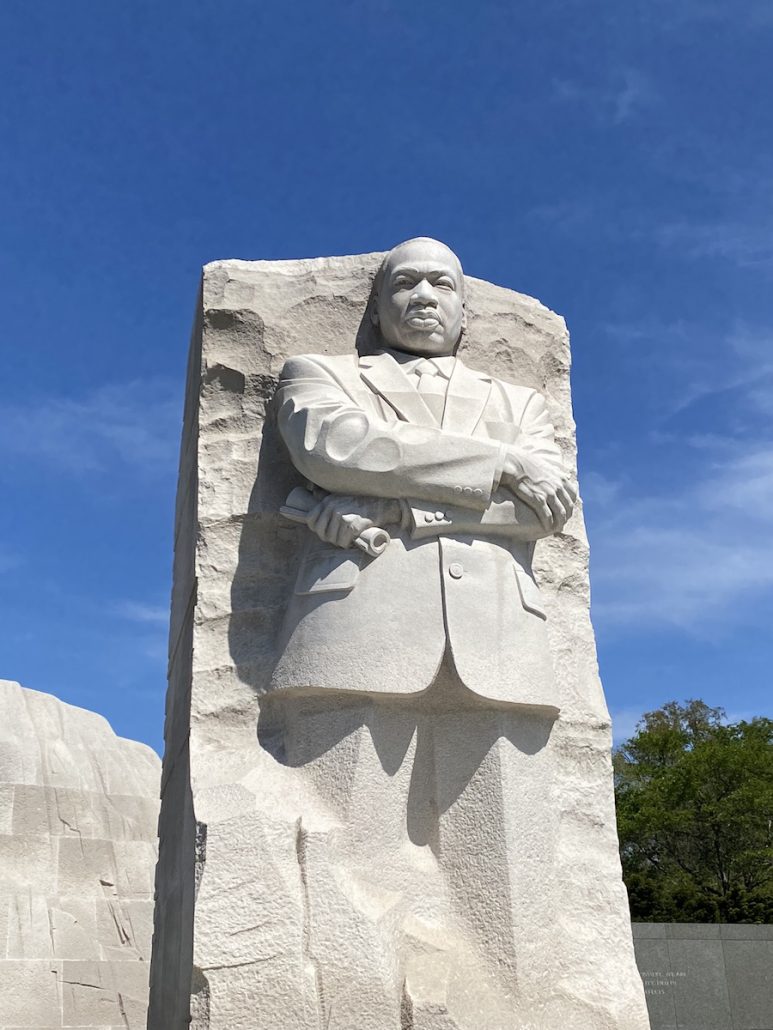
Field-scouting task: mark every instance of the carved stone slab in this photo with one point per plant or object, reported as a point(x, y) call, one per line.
point(78, 818)
point(361, 862)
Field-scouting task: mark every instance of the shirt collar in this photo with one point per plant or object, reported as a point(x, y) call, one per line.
point(444, 363)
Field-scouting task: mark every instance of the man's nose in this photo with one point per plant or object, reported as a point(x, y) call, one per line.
point(423, 293)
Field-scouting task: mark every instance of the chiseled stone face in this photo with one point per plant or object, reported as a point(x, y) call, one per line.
point(78, 818)
point(420, 304)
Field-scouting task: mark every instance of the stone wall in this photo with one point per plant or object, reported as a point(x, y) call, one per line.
point(78, 820)
point(706, 976)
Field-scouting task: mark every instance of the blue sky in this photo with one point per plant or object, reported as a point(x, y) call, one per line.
point(613, 159)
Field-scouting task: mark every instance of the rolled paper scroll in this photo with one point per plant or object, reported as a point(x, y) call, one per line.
point(299, 505)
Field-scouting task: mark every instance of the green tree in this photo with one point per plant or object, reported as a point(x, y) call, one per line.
point(695, 816)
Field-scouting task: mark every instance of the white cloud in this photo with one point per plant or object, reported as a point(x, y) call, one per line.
point(696, 362)
point(692, 560)
point(747, 244)
point(9, 560)
point(136, 611)
point(132, 425)
point(151, 627)
point(623, 95)
point(625, 720)
point(624, 723)
point(634, 93)
point(684, 536)
point(743, 16)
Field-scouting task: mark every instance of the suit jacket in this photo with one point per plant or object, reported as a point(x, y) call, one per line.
point(457, 575)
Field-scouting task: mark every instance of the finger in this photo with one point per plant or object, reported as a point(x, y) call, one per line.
point(325, 529)
point(524, 492)
point(545, 515)
point(312, 519)
point(558, 510)
point(537, 504)
point(358, 524)
point(565, 499)
point(343, 534)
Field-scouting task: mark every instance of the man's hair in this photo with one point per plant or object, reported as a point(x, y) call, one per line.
point(379, 277)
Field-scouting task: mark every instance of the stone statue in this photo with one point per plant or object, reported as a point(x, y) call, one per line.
point(460, 468)
point(387, 796)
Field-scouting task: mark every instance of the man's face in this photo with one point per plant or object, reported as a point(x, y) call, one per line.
point(420, 306)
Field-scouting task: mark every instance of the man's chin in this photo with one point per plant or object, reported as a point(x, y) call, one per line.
point(424, 343)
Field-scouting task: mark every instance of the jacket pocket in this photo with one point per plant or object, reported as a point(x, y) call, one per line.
point(328, 570)
point(530, 593)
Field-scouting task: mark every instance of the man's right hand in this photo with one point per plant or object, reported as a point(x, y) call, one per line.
point(544, 488)
point(339, 519)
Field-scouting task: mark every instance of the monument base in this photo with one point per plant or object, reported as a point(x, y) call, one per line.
point(399, 872)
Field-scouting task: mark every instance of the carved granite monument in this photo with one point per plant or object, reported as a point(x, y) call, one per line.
point(387, 795)
point(78, 819)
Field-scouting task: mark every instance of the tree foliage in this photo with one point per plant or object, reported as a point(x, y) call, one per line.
point(695, 816)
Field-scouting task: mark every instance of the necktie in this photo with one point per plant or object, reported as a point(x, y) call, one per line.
point(432, 388)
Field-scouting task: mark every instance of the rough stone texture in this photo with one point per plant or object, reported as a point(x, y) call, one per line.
point(377, 867)
point(706, 976)
point(78, 818)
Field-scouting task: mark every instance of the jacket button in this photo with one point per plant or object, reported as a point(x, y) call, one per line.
point(456, 570)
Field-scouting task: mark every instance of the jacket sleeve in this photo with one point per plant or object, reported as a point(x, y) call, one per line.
point(505, 515)
point(343, 448)
point(537, 437)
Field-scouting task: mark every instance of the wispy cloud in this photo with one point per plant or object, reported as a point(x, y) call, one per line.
point(698, 362)
point(149, 628)
point(614, 101)
point(692, 560)
point(747, 243)
point(567, 215)
point(624, 722)
point(117, 426)
point(743, 16)
point(633, 93)
point(692, 548)
point(136, 611)
point(9, 560)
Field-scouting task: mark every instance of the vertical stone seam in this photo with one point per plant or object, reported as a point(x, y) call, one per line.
point(309, 959)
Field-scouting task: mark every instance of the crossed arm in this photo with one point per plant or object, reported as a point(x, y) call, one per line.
point(379, 473)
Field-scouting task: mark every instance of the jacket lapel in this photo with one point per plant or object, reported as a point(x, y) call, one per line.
point(468, 393)
point(384, 375)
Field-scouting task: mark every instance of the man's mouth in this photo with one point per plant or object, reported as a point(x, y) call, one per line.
point(425, 318)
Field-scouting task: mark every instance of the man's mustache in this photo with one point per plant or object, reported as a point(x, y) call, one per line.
point(419, 311)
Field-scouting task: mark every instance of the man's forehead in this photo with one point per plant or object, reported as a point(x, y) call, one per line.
point(425, 267)
point(424, 256)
